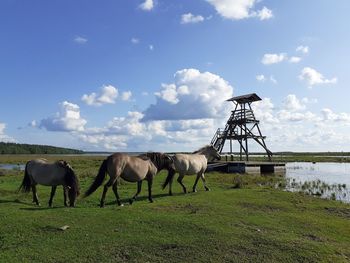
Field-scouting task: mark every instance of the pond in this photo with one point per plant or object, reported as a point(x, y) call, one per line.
point(12, 166)
point(327, 180)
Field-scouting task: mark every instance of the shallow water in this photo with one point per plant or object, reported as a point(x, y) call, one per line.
point(327, 180)
point(12, 166)
point(331, 173)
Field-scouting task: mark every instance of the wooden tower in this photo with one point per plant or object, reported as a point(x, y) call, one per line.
point(240, 127)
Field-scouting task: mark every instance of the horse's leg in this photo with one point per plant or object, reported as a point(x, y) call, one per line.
point(35, 195)
point(150, 181)
point(179, 179)
point(195, 183)
point(65, 195)
point(139, 185)
point(170, 183)
point(105, 189)
point(115, 190)
point(53, 191)
point(205, 185)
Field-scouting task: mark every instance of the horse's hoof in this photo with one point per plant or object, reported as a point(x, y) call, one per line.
point(151, 201)
point(131, 201)
point(102, 205)
point(194, 190)
point(207, 189)
point(170, 194)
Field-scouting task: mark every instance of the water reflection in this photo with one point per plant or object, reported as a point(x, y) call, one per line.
point(327, 180)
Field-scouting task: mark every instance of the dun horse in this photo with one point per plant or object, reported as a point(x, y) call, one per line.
point(187, 164)
point(40, 171)
point(131, 169)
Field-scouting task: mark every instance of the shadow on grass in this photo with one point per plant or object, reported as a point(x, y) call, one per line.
point(143, 198)
point(16, 201)
point(39, 208)
point(52, 229)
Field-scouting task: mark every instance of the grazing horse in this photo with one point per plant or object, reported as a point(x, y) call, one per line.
point(40, 171)
point(195, 163)
point(131, 169)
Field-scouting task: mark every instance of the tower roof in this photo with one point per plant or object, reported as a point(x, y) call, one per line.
point(245, 98)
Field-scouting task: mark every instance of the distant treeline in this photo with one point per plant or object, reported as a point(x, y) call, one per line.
point(16, 148)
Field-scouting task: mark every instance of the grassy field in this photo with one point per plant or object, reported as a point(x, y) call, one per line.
point(243, 219)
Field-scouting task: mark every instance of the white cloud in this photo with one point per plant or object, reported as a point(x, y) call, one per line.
point(260, 78)
point(309, 101)
point(269, 59)
point(273, 80)
point(33, 124)
point(67, 119)
point(2, 127)
point(80, 40)
point(303, 49)
point(189, 18)
point(329, 115)
point(108, 95)
point(240, 9)
point(193, 95)
point(265, 13)
point(285, 115)
point(168, 93)
point(126, 95)
point(129, 125)
point(292, 103)
point(147, 5)
point(3, 136)
point(135, 40)
point(295, 59)
point(290, 126)
point(293, 127)
point(313, 77)
point(151, 47)
point(263, 110)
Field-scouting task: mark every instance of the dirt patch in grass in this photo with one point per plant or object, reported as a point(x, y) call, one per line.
point(341, 212)
point(313, 237)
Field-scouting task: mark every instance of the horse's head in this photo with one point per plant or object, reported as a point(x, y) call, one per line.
point(168, 161)
point(161, 160)
point(72, 182)
point(214, 153)
point(210, 152)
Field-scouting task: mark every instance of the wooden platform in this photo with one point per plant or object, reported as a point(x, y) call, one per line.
point(241, 167)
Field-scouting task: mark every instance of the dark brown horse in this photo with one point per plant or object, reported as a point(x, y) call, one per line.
point(131, 169)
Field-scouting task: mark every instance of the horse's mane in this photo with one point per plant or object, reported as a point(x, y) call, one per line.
point(157, 159)
point(201, 149)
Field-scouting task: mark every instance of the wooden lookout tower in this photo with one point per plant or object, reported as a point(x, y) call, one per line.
point(241, 126)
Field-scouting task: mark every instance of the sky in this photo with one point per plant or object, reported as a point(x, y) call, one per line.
point(141, 75)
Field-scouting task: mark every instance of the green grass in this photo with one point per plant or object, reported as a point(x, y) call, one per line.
point(243, 219)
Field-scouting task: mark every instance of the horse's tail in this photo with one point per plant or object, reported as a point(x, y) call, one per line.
point(99, 178)
point(27, 181)
point(169, 178)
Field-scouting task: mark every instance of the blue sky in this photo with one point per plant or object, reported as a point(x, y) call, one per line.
point(142, 75)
